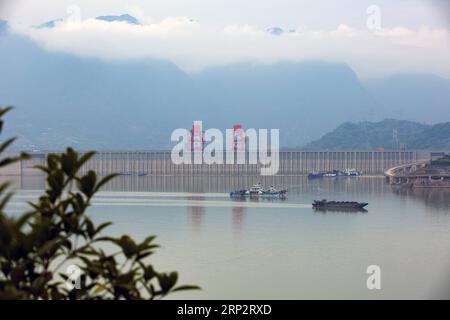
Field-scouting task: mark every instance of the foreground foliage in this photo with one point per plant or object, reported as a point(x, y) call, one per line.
point(55, 251)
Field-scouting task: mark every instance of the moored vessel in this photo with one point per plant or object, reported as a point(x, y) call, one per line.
point(325, 204)
point(335, 173)
point(315, 174)
point(351, 173)
point(258, 191)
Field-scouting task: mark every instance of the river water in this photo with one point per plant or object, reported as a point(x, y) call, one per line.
point(281, 249)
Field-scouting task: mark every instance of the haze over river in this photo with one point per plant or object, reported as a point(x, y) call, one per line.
point(280, 249)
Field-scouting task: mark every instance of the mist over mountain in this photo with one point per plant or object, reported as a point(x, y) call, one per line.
point(49, 24)
point(388, 134)
point(87, 103)
point(63, 99)
point(3, 26)
point(302, 99)
point(414, 96)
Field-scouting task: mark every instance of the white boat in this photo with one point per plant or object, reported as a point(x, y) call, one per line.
point(351, 172)
point(330, 174)
point(256, 189)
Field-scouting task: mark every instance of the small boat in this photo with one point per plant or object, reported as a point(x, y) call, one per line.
point(322, 174)
point(335, 173)
point(315, 175)
point(238, 193)
point(125, 173)
point(257, 191)
point(325, 204)
point(129, 173)
point(351, 173)
point(273, 192)
point(330, 174)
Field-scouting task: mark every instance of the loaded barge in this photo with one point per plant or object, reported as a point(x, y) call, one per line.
point(339, 205)
point(335, 173)
point(258, 191)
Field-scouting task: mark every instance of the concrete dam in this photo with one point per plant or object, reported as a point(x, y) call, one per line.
point(290, 163)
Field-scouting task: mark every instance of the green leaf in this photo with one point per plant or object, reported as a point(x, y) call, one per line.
point(89, 227)
point(4, 110)
point(5, 200)
point(52, 162)
point(105, 180)
point(167, 281)
point(102, 226)
point(84, 158)
point(6, 144)
point(68, 161)
point(87, 183)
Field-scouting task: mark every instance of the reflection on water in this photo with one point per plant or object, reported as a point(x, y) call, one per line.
point(344, 188)
point(437, 198)
point(195, 213)
point(237, 248)
point(238, 220)
point(340, 210)
point(212, 184)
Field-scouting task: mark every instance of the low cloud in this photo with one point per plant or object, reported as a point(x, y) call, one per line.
point(194, 46)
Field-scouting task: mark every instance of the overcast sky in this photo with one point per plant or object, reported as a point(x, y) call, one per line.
point(409, 35)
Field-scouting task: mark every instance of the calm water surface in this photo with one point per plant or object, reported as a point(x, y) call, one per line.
point(282, 249)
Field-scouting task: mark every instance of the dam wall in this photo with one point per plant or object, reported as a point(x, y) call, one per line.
point(290, 163)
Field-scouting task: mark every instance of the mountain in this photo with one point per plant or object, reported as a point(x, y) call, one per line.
point(436, 137)
point(63, 99)
point(413, 96)
point(123, 18)
point(387, 134)
point(110, 18)
point(276, 31)
point(303, 100)
point(49, 24)
point(3, 26)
